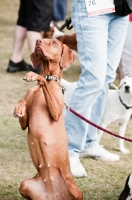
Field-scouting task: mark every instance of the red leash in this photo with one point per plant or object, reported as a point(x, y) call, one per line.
point(95, 125)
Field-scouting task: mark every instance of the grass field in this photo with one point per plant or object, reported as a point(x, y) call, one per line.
point(105, 180)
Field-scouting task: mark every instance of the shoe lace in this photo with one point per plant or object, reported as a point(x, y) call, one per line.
point(100, 148)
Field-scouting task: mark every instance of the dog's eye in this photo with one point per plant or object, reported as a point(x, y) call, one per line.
point(124, 82)
point(54, 42)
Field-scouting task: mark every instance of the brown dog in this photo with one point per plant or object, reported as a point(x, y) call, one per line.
point(42, 112)
point(69, 40)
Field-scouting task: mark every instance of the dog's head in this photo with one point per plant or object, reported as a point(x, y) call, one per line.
point(126, 194)
point(126, 85)
point(52, 55)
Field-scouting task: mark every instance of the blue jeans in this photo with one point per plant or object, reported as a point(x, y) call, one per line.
point(100, 42)
point(59, 10)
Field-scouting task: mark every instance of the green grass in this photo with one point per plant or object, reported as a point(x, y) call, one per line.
point(105, 180)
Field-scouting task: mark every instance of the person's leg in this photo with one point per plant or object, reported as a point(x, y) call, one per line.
point(125, 67)
point(32, 36)
point(114, 46)
point(121, 74)
point(59, 10)
point(19, 39)
point(114, 50)
point(117, 34)
point(17, 63)
point(89, 97)
point(92, 34)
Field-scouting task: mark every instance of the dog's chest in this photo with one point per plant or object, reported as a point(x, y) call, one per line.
point(115, 112)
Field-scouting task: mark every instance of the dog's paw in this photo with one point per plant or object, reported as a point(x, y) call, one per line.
point(124, 150)
point(31, 76)
point(20, 109)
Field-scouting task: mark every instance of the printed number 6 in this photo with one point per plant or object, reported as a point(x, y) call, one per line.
point(92, 2)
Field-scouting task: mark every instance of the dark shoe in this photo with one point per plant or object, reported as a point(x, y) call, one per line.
point(16, 67)
point(33, 69)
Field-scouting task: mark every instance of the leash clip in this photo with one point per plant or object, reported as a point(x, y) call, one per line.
point(67, 24)
point(67, 107)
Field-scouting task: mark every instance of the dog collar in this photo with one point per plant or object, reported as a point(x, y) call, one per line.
point(52, 78)
point(56, 79)
point(127, 107)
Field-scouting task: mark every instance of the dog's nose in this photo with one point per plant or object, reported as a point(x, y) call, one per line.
point(127, 87)
point(38, 41)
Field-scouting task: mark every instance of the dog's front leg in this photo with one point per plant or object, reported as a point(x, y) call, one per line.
point(54, 100)
point(121, 132)
point(20, 112)
point(53, 95)
point(31, 76)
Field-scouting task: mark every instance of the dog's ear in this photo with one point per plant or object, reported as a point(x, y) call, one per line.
point(67, 56)
point(35, 60)
point(126, 77)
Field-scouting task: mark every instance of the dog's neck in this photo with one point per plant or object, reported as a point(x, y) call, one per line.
point(46, 70)
point(55, 78)
point(127, 105)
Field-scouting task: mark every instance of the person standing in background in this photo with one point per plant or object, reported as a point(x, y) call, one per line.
point(59, 10)
point(100, 40)
point(125, 66)
point(59, 14)
point(34, 16)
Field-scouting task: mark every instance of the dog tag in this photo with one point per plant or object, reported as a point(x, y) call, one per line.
point(99, 7)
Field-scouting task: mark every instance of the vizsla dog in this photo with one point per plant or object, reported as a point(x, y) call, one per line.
point(69, 40)
point(41, 111)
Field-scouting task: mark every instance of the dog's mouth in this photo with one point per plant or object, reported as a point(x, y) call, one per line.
point(40, 53)
point(127, 91)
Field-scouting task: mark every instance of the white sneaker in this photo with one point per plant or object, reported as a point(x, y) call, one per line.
point(76, 167)
point(99, 152)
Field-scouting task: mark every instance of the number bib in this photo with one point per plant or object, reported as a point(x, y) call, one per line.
point(99, 7)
